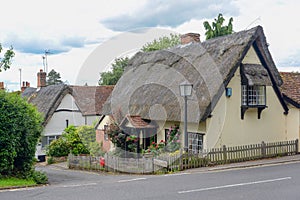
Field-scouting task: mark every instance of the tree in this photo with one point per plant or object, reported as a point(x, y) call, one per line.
point(53, 78)
point(5, 62)
point(162, 43)
point(20, 129)
point(217, 28)
point(112, 77)
point(119, 65)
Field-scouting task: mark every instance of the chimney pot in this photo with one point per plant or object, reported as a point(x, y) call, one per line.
point(190, 37)
point(41, 79)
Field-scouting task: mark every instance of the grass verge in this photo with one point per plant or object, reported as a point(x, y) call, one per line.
point(15, 182)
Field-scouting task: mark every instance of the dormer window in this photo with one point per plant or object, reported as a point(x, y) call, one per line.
point(253, 96)
point(254, 79)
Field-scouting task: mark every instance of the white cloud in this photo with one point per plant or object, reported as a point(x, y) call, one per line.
point(73, 28)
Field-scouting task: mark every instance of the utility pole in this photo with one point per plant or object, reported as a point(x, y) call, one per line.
point(20, 69)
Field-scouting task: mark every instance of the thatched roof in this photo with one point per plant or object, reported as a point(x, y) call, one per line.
point(89, 99)
point(150, 85)
point(291, 87)
point(256, 74)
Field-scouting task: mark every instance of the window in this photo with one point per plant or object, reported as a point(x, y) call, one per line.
point(195, 141)
point(52, 138)
point(253, 96)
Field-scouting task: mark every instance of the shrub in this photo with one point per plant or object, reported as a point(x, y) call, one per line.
point(20, 128)
point(39, 177)
point(58, 148)
point(69, 142)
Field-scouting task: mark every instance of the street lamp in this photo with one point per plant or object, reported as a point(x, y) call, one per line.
point(185, 89)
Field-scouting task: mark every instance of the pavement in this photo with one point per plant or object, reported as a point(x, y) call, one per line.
point(253, 163)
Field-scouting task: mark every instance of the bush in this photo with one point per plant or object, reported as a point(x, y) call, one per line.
point(39, 177)
point(58, 148)
point(69, 142)
point(20, 129)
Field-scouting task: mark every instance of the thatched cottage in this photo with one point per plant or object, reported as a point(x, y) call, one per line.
point(63, 105)
point(236, 99)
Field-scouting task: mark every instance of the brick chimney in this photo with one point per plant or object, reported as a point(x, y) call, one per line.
point(41, 79)
point(24, 86)
point(190, 37)
point(2, 86)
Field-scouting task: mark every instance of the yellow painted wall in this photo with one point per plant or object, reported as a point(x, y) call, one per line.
point(226, 127)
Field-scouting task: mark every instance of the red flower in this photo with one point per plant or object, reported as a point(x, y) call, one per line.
point(153, 142)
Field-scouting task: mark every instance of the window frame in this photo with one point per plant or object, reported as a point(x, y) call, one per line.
point(253, 96)
point(197, 146)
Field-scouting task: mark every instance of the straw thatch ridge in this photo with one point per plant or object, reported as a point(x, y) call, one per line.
point(255, 74)
point(149, 86)
point(89, 99)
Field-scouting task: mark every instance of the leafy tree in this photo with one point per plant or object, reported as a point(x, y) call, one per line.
point(217, 28)
point(112, 77)
point(88, 138)
point(5, 62)
point(162, 43)
point(53, 78)
point(20, 129)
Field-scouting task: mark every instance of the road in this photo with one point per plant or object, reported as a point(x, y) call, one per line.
point(281, 181)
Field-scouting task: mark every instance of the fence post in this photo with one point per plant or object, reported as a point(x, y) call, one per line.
point(297, 147)
point(263, 149)
point(180, 160)
point(225, 153)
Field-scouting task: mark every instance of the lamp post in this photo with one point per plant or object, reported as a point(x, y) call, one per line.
point(185, 89)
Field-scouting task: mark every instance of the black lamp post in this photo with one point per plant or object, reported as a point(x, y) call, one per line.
point(185, 91)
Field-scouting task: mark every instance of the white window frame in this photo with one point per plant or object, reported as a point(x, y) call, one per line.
point(253, 96)
point(195, 142)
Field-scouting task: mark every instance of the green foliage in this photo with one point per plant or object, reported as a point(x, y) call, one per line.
point(39, 177)
point(58, 148)
point(156, 148)
point(173, 142)
point(112, 77)
point(69, 142)
point(20, 129)
point(50, 160)
point(5, 62)
point(88, 138)
point(217, 28)
point(162, 43)
point(53, 78)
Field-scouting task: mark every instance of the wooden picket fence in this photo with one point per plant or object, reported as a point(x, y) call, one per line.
point(180, 161)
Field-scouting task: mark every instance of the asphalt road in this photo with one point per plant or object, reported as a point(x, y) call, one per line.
point(277, 182)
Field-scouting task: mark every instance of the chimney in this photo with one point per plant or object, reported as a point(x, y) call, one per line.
point(2, 86)
point(41, 79)
point(190, 37)
point(24, 86)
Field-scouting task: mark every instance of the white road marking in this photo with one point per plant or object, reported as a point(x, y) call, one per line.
point(179, 174)
point(130, 180)
point(235, 185)
point(78, 185)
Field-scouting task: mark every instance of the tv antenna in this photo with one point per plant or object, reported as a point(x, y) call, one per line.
point(45, 60)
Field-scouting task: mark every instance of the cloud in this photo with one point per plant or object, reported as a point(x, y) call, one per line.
point(171, 13)
point(38, 45)
point(293, 60)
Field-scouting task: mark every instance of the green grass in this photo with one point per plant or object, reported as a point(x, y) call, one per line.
point(11, 182)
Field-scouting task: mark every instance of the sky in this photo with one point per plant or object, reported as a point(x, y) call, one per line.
point(76, 32)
